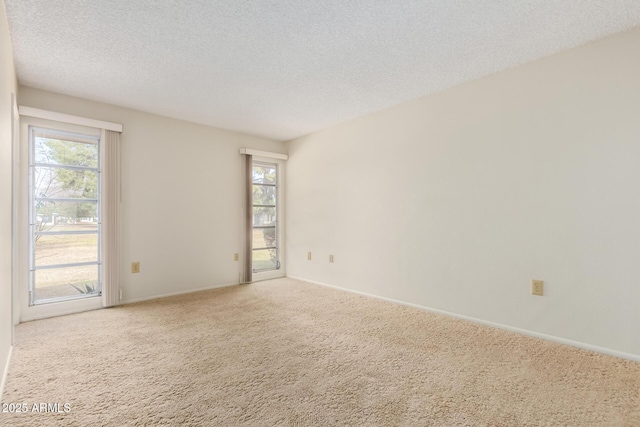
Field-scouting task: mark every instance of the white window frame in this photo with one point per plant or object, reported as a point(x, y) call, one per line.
point(25, 311)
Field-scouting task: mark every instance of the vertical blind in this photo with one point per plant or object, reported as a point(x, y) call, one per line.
point(248, 226)
point(111, 219)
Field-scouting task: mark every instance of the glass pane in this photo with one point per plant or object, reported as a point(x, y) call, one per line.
point(66, 249)
point(65, 183)
point(50, 149)
point(265, 259)
point(264, 174)
point(66, 282)
point(264, 195)
point(264, 216)
point(52, 214)
point(264, 237)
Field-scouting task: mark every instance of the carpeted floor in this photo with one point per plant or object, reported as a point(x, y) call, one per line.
point(289, 353)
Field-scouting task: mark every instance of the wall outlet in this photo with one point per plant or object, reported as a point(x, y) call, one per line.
point(308, 256)
point(537, 287)
point(330, 258)
point(135, 267)
point(236, 257)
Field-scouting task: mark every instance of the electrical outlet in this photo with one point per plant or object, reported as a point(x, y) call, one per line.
point(330, 258)
point(308, 256)
point(537, 287)
point(236, 257)
point(135, 267)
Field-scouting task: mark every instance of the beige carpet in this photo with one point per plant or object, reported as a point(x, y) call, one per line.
point(289, 353)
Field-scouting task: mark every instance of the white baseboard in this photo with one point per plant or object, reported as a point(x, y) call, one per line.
point(578, 344)
point(173, 294)
point(5, 373)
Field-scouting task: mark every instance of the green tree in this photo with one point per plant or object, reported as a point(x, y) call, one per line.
point(264, 193)
point(59, 182)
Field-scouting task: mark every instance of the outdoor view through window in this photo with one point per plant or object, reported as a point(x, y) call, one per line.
point(64, 176)
point(265, 232)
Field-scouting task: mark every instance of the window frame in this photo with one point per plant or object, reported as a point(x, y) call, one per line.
point(259, 275)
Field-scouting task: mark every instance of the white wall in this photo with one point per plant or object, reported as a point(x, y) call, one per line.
point(8, 86)
point(457, 200)
point(182, 196)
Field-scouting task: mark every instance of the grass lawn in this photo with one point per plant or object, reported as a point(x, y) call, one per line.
point(65, 249)
point(264, 259)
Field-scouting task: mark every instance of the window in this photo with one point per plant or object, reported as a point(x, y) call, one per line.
point(64, 219)
point(263, 237)
point(265, 245)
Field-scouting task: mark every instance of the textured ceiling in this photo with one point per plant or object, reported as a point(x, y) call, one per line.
point(286, 68)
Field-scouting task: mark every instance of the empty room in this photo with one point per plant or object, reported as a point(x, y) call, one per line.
point(288, 213)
